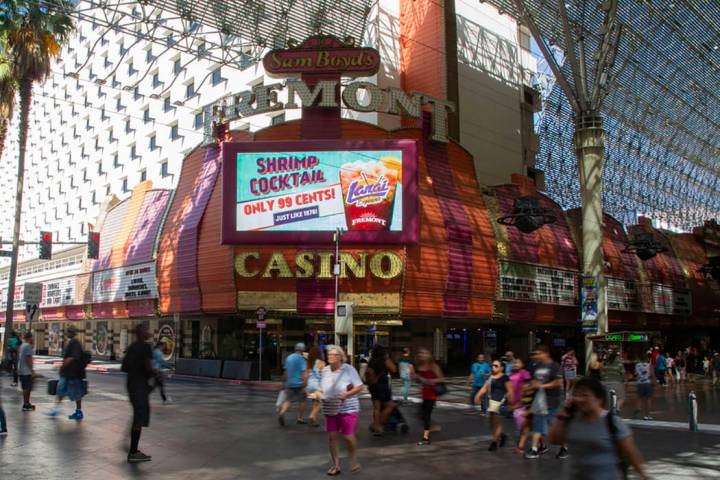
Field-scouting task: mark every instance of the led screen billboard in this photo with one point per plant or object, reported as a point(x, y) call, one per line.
point(305, 190)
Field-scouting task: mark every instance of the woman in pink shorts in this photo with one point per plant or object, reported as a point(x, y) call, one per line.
point(340, 386)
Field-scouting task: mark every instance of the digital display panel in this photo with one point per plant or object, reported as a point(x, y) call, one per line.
point(306, 190)
point(311, 191)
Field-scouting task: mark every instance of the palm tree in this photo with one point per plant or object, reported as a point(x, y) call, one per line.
point(33, 32)
point(7, 94)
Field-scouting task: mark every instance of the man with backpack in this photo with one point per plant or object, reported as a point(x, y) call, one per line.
point(72, 375)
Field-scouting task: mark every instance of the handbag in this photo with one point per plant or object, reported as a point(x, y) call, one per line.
point(440, 389)
point(494, 405)
point(282, 396)
point(331, 406)
point(52, 387)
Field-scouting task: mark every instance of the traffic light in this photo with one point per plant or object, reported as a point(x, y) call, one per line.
point(45, 245)
point(93, 245)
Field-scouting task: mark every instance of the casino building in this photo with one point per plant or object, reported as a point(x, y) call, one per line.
point(422, 258)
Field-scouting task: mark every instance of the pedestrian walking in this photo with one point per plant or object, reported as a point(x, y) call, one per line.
point(26, 372)
point(508, 360)
point(295, 376)
point(681, 366)
point(480, 372)
point(13, 347)
point(547, 384)
point(378, 380)
point(645, 378)
point(159, 364)
point(340, 386)
point(72, 374)
point(660, 368)
point(429, 374)
point(137, 363)
point(601, 442)
point(669, 368)
point(706, 366)
point(569, 364)
point(613, 377)
point(715, 367)
point(3, 419)
point(407, 371)
point(522, 399)
point(499, 390)
point(594, 366)
point(315, 365)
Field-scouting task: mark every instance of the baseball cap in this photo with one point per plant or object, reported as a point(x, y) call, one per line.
point(300, 347)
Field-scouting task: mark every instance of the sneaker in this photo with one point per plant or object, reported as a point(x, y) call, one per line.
point(281, 420)
point(503, 439)
point(533, 453)
point(138, 457)
point(54, 412)
point(78, 415)
point(563, 453)
point(493, 446)
point(3, 433)
point(28, 408)
point(648, 417)
point(543, 449)
point(300, 421)
point(13, 384)
point(424, 441)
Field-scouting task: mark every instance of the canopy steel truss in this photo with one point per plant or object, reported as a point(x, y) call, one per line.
point(231, 33)
point(661, 105)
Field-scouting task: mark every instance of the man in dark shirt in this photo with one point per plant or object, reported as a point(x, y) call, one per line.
point(547, 382)
point(137, 363)
point(72, 373)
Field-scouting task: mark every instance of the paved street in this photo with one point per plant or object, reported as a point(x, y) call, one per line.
point(221, 431)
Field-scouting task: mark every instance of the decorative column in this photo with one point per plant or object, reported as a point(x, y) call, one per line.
point(589, 141)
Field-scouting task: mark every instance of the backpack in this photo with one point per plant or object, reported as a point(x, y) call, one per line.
point(609, 418)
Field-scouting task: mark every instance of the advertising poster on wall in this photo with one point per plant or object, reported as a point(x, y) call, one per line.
point(318, 187)
point(589, 304)
point(101, 338)
point(166, 338)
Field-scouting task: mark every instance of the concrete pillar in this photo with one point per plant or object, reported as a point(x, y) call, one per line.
point(589, 141)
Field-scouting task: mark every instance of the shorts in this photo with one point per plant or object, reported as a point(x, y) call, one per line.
point(645, 390)
point(520, 418)
point(71, 388)
point(344, 423)
point(295, 394)
point(570, 374)
point(140, 402)
point(26, 382)
point(541, 423)
point(380, 392)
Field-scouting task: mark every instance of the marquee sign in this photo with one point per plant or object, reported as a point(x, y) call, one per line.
point(323, 54)
point(59, 292)
point(286, 192)
point(135, 282)
point(532, 283)
point(382, 264)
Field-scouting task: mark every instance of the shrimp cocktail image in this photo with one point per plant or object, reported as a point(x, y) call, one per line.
point(368, 189)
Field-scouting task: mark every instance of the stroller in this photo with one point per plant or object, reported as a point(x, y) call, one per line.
point(396, 422)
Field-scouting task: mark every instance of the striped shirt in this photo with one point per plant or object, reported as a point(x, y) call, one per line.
point(335, 382)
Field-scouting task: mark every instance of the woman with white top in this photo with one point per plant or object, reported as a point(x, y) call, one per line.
point(340, 386)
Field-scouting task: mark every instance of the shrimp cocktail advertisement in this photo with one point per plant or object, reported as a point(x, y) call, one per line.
point(321, 188)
